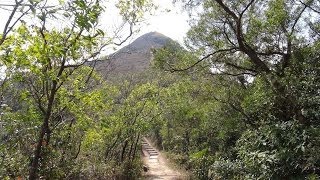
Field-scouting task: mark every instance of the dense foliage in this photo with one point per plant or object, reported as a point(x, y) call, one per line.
point(241, 103)
point(59, 119)
point(248, 107)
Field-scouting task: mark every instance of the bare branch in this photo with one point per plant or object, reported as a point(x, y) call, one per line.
point(203, 58)
point(246, 8)
point(233, 74)
point(298, 18)
point(307, 5)
point(227, 36)
point(271, 53)
point(227, 10)
point(130, 34)
point(7, 29)
point(240, 67)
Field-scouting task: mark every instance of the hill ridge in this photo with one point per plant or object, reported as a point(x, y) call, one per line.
point(133, 58)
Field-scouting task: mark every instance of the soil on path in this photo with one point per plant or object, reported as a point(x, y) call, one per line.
point(158, 166)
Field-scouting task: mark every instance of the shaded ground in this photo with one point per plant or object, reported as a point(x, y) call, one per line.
point(158, 166)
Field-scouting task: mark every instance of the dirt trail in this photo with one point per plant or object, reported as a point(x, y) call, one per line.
point(158, 166)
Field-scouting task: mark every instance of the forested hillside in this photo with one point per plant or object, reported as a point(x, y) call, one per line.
point(239, 100)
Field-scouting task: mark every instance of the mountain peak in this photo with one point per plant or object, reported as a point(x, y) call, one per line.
point(154, 34)
point(134, 57)
point(148, 41)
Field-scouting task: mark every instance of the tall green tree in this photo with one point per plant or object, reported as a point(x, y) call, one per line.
point(41, 61)
point(254, 48)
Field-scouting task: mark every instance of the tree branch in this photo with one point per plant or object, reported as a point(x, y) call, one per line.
point(7, 29)
point(227, 10)
point(202, 59)
point(246, 8)
point(307, 5)
point(240, 67)
point(243, 46)
point(233, 74)
point(130, 34)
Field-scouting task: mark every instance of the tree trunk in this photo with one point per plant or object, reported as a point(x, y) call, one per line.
point(131, 149)
point(44, 130)
point(135, 147)
point(186, 142)
point(123, 151)
point(37, 152)
point(109, 149)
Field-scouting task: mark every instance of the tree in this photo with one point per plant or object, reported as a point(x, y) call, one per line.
point(44, 59)
point(242, 38)
point(253, 47)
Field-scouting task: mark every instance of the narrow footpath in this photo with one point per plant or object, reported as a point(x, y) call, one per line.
point(156, 166)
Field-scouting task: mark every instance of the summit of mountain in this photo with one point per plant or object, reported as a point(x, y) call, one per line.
point(146, 42)
point(133, 58)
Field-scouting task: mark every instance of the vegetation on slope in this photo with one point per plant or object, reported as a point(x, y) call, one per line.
point(241, 103)
point(248, 107)
point(58, 119)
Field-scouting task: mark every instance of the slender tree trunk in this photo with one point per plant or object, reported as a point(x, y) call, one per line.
point(44, 130)
point(186, 142)
point(135, 147)
point(109, 149)
point(37, 152)
point(131, 149)
point(123, 151)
